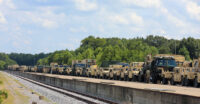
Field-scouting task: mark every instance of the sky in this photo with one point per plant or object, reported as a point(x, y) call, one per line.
point(34, 26)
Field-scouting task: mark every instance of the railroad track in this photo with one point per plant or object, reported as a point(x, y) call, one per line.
point(76, 95)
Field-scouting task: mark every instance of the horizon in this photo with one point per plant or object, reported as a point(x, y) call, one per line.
point(45, 26)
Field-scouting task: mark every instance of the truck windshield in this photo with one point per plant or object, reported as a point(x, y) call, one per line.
point(166, 62)
point(80, 65)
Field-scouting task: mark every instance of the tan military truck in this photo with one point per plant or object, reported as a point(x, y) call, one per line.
point(54, 68)
point(182, 73)
point(178, 76)
point(68, 70)
point(34, 69)
point(160, 69)
point(23, 68)
point(14, 67)
point(135, 68)
point(124, 71)
point(196, 65)
point(90, 71)
point(79, 66)
point(104, 72)
point(114, 71)
point(46, 69)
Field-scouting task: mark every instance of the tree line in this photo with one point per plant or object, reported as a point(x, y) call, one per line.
point(109, 49)
point(125, 50)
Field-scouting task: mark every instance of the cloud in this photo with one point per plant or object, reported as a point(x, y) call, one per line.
point(119, 19)
point(136, 19)
point(143, 3)
point(45, 18)
point(85, 5)
point(2, 19)
point(127, 19)
point(193, 9)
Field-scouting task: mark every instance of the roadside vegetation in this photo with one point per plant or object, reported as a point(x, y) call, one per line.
point(3, 93)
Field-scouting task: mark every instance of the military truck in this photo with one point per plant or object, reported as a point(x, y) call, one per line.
point(133, 71)
point(23, 68)
point(91, 71)
point(66, 70)
point(160, 68)
point(79, 66)
point(185, 75)
point(13, 67)
point(54, 68)
point(124, 71)
point(104, 72)
point(196, 81)
point(46, 69)
point(114, 71)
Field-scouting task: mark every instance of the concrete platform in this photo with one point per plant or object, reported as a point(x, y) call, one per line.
point(121, 91)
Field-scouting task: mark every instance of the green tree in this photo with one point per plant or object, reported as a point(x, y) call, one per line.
point(185, 52)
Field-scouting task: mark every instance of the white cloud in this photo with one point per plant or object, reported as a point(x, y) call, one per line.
point(143, 3)
point(119, 19)
point(127, 19)
point(46, 18)
point(2, 19)
point(48, 23)
point(85, 5)
point(193, 9)
point(136, 19)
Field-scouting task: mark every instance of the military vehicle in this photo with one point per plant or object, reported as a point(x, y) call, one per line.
point(160, 68)
point(124, 71)
point(13, 67)
point(133, 71)
point(179, 70)
point(91, 71)
point(46, 69)
point(66, 70)
point(33, 69)
point(40, 68)
point(79, 66)
point(23, 68)
point(114, 71)
point(104, 72)
point(196, 65)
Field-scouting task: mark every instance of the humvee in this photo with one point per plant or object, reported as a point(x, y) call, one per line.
point(196, 65)
point(114, 71)
point(79, 66)
point(90, 71)
point(133, 71)
point(104, 72)
point(23, 68)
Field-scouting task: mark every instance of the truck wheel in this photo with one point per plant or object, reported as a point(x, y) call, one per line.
point(187, 82)
point(196, 84)
point(172, 81)
point(146, 80)
point(164, 81)
point(140, 78)
point(182, 81)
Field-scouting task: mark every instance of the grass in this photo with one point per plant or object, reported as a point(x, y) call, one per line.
point(13, 93)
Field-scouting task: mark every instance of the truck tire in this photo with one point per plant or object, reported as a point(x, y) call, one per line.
point(140, 78)
point(196, 84)
point(182, 81)
point(172, 81)
point(164, 81)
point(187, 82)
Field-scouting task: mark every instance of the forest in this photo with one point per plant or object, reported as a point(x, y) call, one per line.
point(110, 49)
point(125, 50)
